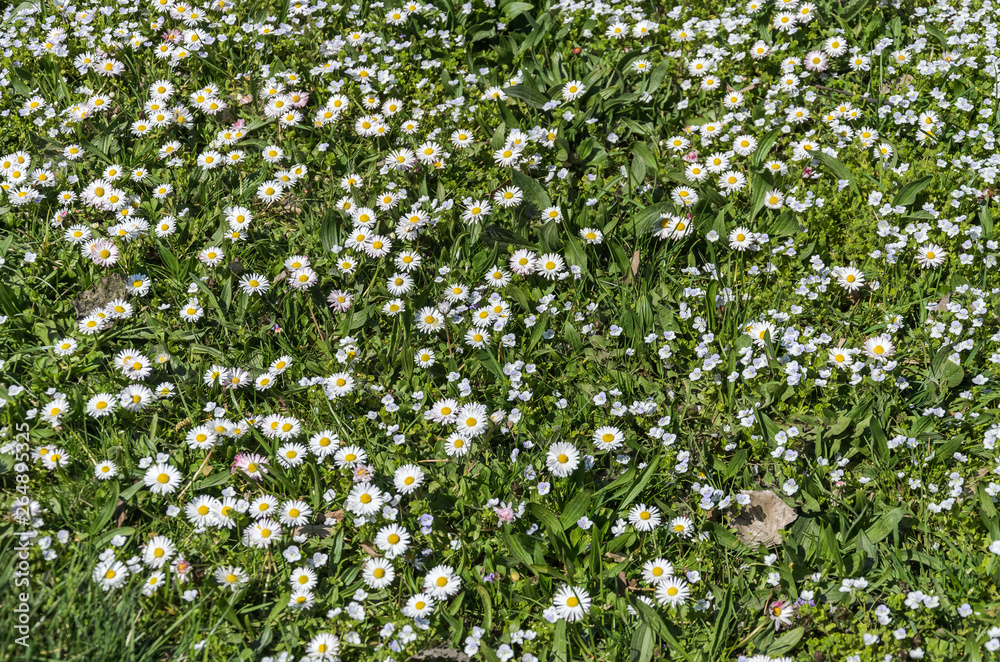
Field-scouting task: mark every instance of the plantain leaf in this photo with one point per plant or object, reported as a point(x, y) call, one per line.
point(885, 525)
point(528, 95)
point(534, 192)
point(838, 168)
point(908, 194)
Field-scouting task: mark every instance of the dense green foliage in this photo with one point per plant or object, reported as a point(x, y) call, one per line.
point(358, 330)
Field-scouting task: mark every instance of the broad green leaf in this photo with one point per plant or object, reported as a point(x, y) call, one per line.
point(986, 220)
point(560, 643)
point(516, 548)
point(642, 152)
point(648, 216)
point(549, 520)
point(528, 95)
point(786, 642)
point(764, 148)
point(853, 10)
point(575, 509)
point(641, 648)
point(908, 194)
point(651, 618)
point(534, 192)
point(514, 9)
point(837, 168)
point(885, 525)
point(647, 475)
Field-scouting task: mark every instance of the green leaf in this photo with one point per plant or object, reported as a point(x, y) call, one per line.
point(572, 336)
point(724, 536)
point(575, 509)
point(575, 254)
point(786, 642)
point(651, 618)
point(106, 537)
point(549, 520)
point(638, 171)
point(865, 546)
point(838, 168)
point(131, 491)
point(854, 9)
point(912, 556)
point(534, 192)
point(720, 631)
point(212, 481)
point(908, 194)
point(514, 9)
point(767, 426)
point(764, 148)
point(528, 95)
point(560, 643)
point(710, 307)
point(487, 606)
point(736, 464)
point(945, 372)
point(169, 261)
point(486, 359)
point(497, 140)
point(656, 78)
point(986, 220)
point(986, 503)
point(494, 235)
point(785, 225)
point(651, 214)
point(642, 152)
point(647, 475)
point(197, 348)
point(758, 187)
point(641, 648)
point(110, 503)
point(516, 548)
point(933, 31)
point(885, 525)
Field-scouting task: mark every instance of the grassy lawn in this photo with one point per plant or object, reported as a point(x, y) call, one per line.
point(538, 331)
